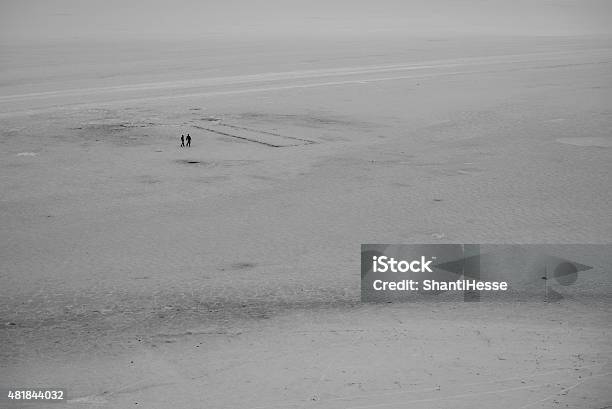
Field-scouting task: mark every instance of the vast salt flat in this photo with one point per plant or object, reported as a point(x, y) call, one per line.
point(137, 271)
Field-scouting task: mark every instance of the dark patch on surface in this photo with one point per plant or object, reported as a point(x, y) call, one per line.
point(222, 163)
point(118, 132)
point(243, 265)
point(112, 127)
point(189, 162)
point(399, 184)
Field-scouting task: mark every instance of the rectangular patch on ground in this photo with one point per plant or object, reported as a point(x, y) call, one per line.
point(271, 139)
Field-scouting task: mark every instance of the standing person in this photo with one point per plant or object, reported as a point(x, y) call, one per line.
point(182, 141)
point(188, 140)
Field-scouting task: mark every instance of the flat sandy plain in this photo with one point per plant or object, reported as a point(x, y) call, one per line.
point(139, 274)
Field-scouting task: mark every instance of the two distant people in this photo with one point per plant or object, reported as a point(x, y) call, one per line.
point(188, 138)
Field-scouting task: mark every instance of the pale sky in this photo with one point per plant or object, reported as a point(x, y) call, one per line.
point(59, 20)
